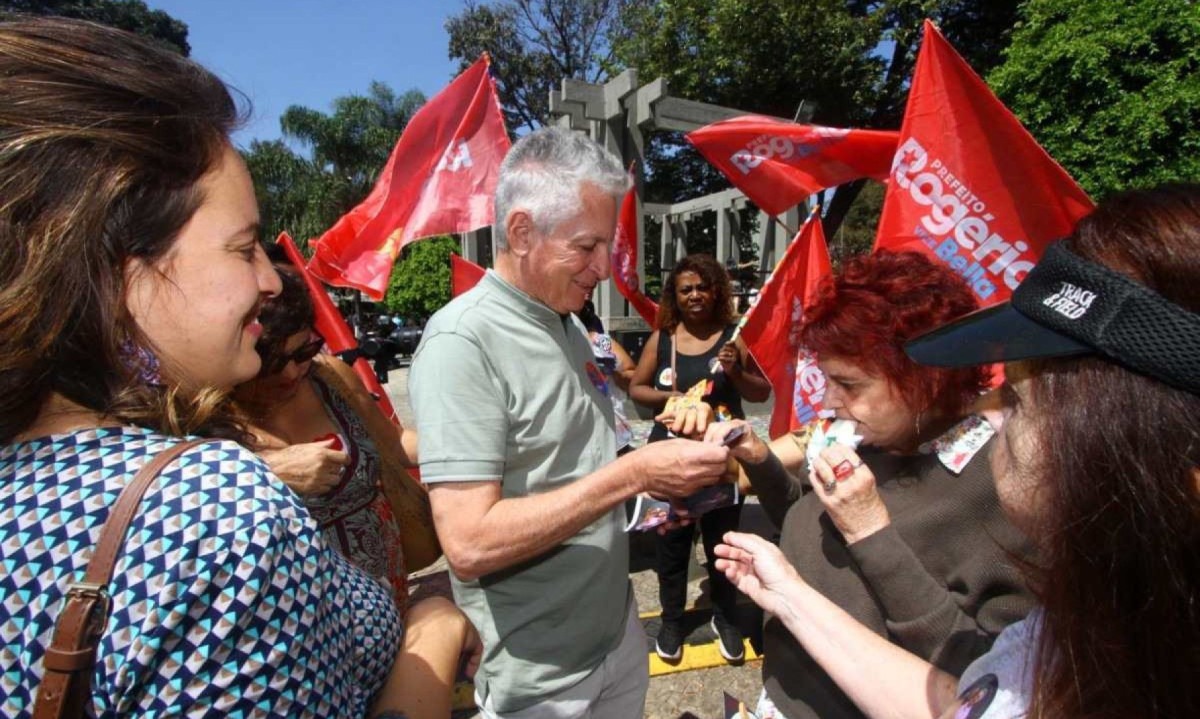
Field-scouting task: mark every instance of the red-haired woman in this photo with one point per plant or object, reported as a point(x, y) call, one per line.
point(692, 344)
point(1096, 459)
point(912, 543)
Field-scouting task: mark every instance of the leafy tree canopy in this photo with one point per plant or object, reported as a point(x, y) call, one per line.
point(852, 58)
point(420, 282)
point(1111, 90)
point(534, 44)
point(131, 15)
point(306, 194)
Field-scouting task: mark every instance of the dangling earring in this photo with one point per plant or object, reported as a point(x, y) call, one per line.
point(141, 361)
point(919, 426)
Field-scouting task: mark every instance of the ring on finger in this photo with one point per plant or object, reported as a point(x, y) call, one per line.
point(845, 468)
point(830, 486)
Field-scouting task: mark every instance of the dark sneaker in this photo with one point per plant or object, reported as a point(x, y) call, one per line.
point(669, 645)
point(729, 641)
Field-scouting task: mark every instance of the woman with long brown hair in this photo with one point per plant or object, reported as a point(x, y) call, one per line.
point(131, 278)
point(1097, 460)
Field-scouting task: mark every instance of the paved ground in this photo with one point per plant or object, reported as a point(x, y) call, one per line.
point(673, 695)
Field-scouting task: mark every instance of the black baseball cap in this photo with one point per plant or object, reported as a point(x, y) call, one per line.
point(1070, 306)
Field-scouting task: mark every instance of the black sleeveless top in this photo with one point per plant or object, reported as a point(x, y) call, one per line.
point(692, 369)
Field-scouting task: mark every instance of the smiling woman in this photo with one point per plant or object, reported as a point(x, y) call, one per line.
point(131, 280)
point(217, 254)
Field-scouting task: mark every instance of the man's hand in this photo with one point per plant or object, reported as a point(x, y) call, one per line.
point(679, 467)
point(311, 468)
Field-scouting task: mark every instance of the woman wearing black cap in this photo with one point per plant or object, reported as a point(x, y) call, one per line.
point(1097, 461)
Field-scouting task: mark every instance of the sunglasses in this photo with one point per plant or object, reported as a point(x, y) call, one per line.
point(300, 355)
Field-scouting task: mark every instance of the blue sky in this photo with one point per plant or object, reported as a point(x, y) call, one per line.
point(307, 52)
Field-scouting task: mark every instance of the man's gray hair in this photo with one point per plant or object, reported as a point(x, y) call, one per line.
point(543, 173)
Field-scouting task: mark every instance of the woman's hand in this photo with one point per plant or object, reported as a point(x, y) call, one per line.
point(310, 469)
point(439, 641)
point(472, 650)
point(746, 448)
point(689, 422)
point(729, 358)
point(847, 488)
point(758, 569)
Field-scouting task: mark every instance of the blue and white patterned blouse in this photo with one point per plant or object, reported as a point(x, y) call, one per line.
point(225, 599)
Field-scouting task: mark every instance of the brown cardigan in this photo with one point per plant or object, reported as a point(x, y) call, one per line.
point(940, 581)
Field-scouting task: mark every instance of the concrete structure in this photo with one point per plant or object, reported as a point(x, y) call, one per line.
point(616, 114)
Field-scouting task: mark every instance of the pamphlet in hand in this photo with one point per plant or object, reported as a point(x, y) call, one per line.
point(648, 512)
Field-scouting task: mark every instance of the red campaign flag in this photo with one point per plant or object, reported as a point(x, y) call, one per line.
point(625, 257)
point(771, 328)
point(464, 274)
point(332, 327)
point(778, 163)
point(969, 185)
point(440, 178)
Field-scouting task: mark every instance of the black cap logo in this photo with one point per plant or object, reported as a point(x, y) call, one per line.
point(1071, 301)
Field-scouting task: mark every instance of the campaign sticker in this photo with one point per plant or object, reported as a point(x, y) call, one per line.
point(597, 377)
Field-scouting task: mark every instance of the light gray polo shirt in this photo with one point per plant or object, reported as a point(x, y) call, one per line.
point(503, 388)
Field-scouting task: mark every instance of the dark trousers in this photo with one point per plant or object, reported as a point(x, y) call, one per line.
point(671, 563)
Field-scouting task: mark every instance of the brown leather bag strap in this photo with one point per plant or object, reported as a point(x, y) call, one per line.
point(67, 665)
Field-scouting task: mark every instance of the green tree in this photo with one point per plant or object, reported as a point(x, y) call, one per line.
point(420, 282)
point(1111, 90)
point(344, 153)
point(534, 44)
point(131, 15)
point(852, 58)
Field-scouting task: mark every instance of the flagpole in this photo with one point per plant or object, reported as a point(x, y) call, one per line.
point(332, 327)
point(790, 231)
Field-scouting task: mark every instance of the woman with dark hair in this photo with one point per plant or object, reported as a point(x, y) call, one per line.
point(319, 430)
point(692, 344)
point(908, 537)
point(131, 279)
point(1097, 459)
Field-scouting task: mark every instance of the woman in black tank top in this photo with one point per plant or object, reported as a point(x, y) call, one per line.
point(691, 345)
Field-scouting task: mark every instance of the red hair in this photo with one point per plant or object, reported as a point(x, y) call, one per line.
point(867, 311)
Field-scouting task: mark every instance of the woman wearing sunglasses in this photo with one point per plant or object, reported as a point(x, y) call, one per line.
point(320, 432)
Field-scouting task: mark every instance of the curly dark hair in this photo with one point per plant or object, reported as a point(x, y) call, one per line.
point(282, 316)
point(877, 302)
point(712, 273)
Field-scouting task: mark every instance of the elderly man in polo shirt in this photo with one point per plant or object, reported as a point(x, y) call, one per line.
point(517, 447)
